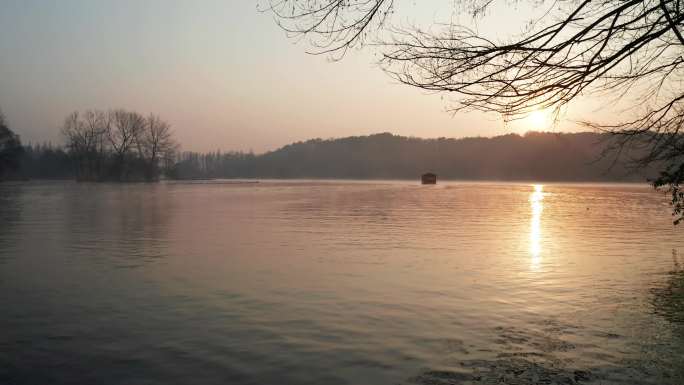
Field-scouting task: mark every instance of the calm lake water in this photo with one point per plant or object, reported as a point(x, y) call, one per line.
point(339, 283)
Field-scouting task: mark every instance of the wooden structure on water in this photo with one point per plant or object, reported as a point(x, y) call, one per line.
point(429, 178)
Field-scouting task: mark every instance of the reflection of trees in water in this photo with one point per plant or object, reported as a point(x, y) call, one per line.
point(126, 224)
point(668, 300)
point(10, 215)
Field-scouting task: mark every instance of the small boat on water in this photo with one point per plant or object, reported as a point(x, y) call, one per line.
point(429, 178)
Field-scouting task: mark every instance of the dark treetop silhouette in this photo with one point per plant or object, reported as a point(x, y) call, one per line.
point(118, 145)
point(10, 149)
point(100, 146)
point(612, 47)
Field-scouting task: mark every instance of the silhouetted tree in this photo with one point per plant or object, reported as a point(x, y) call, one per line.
point(10, 149)
point(575, 48)
point(117, 145)
point(45, 161)
point(85, 136)
point(155, 144)
point(125, 129)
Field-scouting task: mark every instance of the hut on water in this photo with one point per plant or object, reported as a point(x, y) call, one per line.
point(429, 178)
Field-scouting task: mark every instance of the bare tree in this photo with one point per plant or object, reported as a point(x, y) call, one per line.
point(97, 124)
point(125, 128)
point(609, 47)
point(85, 135)
point(119, 144)
point(155, 143)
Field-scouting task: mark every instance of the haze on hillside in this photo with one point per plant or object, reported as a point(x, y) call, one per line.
point(536, 156)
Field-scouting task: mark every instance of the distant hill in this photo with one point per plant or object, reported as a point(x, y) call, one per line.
point(533, 156)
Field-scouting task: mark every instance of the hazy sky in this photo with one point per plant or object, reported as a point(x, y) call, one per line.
point(222, 73)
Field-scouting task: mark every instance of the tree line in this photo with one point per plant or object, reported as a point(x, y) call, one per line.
point(123, 146)
point(115, 145)
point(118, 145)
point(534, 156)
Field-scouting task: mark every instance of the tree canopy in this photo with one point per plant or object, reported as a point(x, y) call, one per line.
point(10, 149)
point(118, 145)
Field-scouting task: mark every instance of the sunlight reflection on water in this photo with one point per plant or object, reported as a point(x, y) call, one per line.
point(339, 282)
point(537, 204)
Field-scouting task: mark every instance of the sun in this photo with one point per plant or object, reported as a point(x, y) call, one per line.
point(537, 120)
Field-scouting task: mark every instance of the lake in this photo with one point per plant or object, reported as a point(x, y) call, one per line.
point(339, 282)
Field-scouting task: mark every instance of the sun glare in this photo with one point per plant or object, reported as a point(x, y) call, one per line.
point(537, 120)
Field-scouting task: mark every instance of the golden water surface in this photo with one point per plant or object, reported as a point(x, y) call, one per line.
point(339, 282)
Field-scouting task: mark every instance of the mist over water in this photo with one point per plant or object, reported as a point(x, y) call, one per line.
point(339, 283)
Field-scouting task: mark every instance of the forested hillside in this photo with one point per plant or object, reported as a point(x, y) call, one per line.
point(534, 156)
